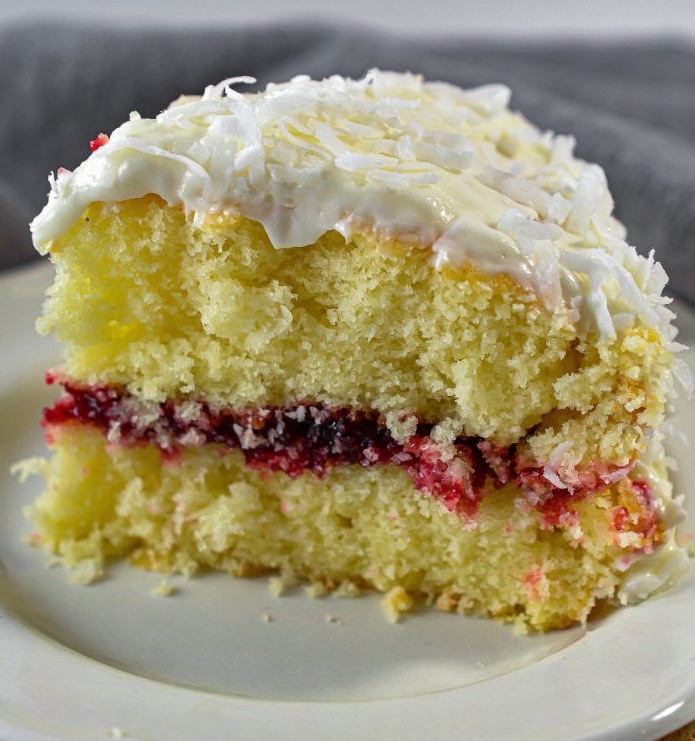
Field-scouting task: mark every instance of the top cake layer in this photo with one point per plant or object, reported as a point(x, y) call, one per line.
point(452, 170)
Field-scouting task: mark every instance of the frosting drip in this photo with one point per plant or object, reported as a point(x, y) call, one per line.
point(447, 168)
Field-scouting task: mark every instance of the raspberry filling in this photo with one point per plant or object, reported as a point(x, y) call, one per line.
point(313, 438)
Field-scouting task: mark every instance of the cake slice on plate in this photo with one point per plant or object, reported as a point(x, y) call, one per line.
point(381, 334)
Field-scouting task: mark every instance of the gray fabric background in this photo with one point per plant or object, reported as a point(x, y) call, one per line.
point(631, 105)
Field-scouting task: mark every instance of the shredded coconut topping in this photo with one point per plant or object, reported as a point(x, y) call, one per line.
point(453, 169)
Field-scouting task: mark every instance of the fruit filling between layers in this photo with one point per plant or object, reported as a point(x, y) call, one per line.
point(312, 437)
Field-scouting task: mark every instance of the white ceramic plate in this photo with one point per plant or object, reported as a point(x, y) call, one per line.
point(222, 658)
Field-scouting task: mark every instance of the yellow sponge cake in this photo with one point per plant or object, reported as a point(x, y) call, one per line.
point(377, 333)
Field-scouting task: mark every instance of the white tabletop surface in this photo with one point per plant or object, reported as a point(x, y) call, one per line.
point(489, 18)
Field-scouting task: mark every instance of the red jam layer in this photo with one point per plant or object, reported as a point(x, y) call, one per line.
point(314, 437)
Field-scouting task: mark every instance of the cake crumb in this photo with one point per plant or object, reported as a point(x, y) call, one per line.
point(447, 601)
point(401, 425)
point(117, 732)
point(332, 619)
point(520, 626)
point(446, 431)
point(279, 585)
point(87, 571)
point(347, 590)
point(36, 465)
point(395, 603)
point(34, 539)
point(266, 617)
point(316, 589)
point(164, 589)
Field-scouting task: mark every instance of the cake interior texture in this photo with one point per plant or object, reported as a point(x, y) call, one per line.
point(345, 414)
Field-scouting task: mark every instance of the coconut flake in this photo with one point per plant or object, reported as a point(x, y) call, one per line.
point(356, 161)
point(517, 188)
point(556, 459)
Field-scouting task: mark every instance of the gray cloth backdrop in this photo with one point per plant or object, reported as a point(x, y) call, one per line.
point(631, 105)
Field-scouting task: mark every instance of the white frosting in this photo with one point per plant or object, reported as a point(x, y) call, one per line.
point(647, 575)
point(451, 169)
point(642, 574)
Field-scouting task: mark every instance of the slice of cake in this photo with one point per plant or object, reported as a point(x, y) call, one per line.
point(370, 334)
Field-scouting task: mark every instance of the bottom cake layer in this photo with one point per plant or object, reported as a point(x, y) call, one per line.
point(355, 526)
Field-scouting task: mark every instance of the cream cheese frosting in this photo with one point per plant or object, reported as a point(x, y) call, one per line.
point(452, 170)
